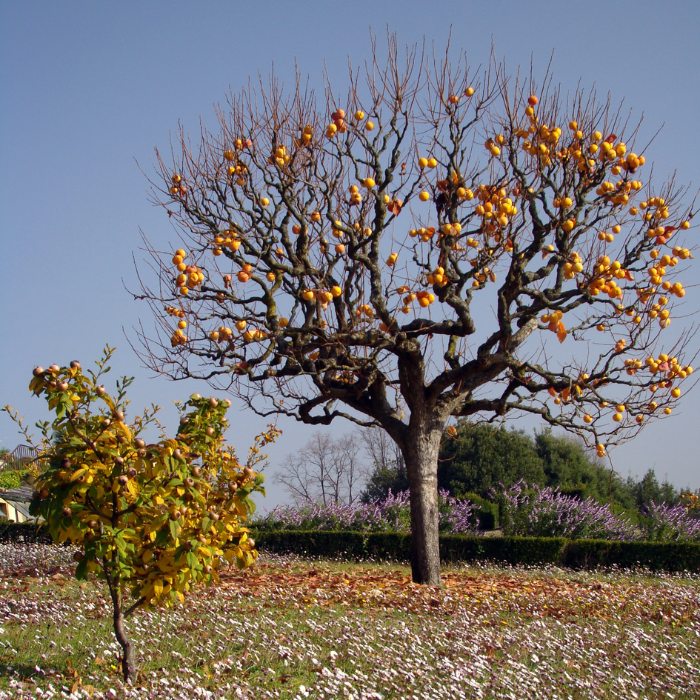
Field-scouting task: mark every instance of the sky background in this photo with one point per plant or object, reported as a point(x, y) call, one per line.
point(87, 90)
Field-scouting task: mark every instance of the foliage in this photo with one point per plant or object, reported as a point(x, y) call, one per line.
point(151, 520)
point(384, 480)
point(669, 523)
point(391, 514)
point(657, 556)
point(12, 479)
point(648, 489)
point(480, 457)
point(532, 551)
point(11, 531)
point(544, 512)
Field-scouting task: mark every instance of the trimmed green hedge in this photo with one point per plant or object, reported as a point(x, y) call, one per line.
point(23, 532)
point(534, 551)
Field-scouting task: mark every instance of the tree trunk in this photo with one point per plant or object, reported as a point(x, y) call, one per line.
point(128, 652)
point(420, 453)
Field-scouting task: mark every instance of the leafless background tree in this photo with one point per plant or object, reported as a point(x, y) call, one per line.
point(326, 470)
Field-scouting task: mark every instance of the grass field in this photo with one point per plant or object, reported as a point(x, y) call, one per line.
point(290, 628)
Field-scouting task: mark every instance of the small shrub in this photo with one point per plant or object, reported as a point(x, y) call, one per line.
point(544, 512)
point(393, 514)
point(663, 523)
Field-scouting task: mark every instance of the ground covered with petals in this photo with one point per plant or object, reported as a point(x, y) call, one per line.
point(292, 628)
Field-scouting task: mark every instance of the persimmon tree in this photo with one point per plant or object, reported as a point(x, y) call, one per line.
point(152, 520)
point(437, 243)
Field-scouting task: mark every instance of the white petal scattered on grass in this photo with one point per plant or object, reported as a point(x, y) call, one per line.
point(292, 628)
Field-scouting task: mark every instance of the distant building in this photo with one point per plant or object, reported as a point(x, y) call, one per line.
point(20, 458)
point(14, 504)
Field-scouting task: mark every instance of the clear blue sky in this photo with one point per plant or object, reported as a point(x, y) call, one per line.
point(89, 89)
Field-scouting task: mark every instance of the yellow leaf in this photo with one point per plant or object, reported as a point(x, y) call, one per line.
point(78, 473)
point(158, 587)
point(181, 597)
point(124, 428)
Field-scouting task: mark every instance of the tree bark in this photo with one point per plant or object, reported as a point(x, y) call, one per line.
point(420, 452)
point(128, 651)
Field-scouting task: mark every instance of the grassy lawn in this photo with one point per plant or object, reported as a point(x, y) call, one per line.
point(290, 628)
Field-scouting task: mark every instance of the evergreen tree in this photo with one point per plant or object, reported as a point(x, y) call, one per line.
point(480, 457)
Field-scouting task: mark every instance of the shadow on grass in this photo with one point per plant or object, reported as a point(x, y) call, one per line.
point(24, 671)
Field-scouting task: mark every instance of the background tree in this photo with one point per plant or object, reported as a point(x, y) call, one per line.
point(648, 489)
point(151, 520)
point(416, 251)
point(388, 469)
point(326, 470)
point(480, 457)
point(568, 466)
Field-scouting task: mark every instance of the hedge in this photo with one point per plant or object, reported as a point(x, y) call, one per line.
point(23, 532)
point(534, 551)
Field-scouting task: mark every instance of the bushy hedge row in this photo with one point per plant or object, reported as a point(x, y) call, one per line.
point(575, 554)
point(23, 532)
point(534, 551)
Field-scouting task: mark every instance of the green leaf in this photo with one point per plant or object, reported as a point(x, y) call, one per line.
point(192, 560)
point(174, 529)
point(206, 524)
point(81, 569)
